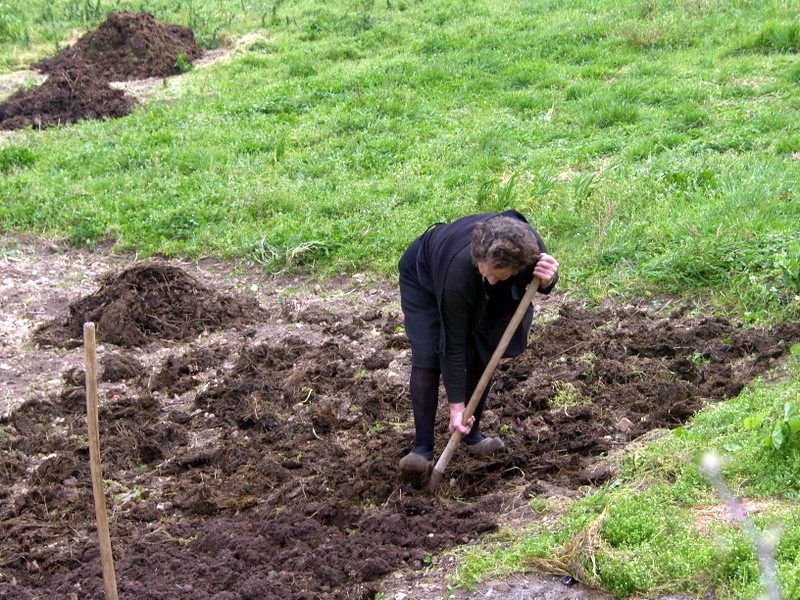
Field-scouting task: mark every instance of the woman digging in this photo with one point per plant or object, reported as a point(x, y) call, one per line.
point(460, 284)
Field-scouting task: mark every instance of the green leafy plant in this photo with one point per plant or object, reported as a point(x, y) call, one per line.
point(376, 428)
point(15, 157)
point(11, 24)
point(789, 264)
point(698, 358)
point(785, 432)
point(776, 38)
point(183, 64)
point(279, 257)
point(567, 395)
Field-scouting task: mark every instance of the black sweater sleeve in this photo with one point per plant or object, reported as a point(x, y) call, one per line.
point(457, 315)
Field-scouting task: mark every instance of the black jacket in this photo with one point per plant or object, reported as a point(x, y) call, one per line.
point(473, 314)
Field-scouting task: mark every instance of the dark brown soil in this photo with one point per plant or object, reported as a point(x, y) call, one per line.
point(151, 300)
point(261, 462)
point(65, 97)
point(126, 46)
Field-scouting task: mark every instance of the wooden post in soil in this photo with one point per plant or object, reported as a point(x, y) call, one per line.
point(106, 556)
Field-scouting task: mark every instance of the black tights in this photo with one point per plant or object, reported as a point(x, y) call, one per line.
point(424, 391)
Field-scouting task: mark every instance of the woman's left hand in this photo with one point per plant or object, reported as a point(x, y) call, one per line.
point(457, 419)
point(546, 269)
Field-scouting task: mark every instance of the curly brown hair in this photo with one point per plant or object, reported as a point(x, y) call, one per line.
point(502, 242)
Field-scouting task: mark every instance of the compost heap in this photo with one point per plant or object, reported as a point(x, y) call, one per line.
point(151, 300)
point(126, 46)
point(261, 462)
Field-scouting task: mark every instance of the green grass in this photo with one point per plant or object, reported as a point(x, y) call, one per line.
point(652, 149)
point(660, 527)
point(653, 143)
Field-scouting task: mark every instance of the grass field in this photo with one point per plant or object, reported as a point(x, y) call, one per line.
point(655, 144)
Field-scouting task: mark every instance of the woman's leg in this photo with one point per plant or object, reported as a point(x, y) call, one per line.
point(474, 374)
point(424, 391)
point(476, 442)
point(421, 320)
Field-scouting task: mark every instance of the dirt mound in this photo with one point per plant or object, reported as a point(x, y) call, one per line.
point(125, 46)
point(265, 465)
point(148, 301)
point(66, 97)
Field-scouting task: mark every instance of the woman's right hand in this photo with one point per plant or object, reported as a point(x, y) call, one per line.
point(545, 270)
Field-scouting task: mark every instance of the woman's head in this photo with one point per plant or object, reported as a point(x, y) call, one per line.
point(504, 243)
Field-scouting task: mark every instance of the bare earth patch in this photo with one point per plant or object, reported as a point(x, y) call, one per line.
point(255, 454)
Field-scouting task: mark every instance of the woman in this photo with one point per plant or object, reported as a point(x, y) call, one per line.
point(460, 284)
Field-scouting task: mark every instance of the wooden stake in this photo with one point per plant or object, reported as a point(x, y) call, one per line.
point(106, 556)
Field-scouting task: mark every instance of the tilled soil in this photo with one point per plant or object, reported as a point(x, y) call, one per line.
point(251, 427)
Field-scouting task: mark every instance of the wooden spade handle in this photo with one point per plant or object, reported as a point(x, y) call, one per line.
point(455, 438)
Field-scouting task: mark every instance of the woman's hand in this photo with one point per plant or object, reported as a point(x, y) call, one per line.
point(546, 269)
point(456, 418)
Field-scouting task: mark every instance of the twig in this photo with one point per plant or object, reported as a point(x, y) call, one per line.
point(712, 467)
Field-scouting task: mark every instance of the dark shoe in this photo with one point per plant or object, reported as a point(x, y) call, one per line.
point(415, 464)
point(486, 447)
